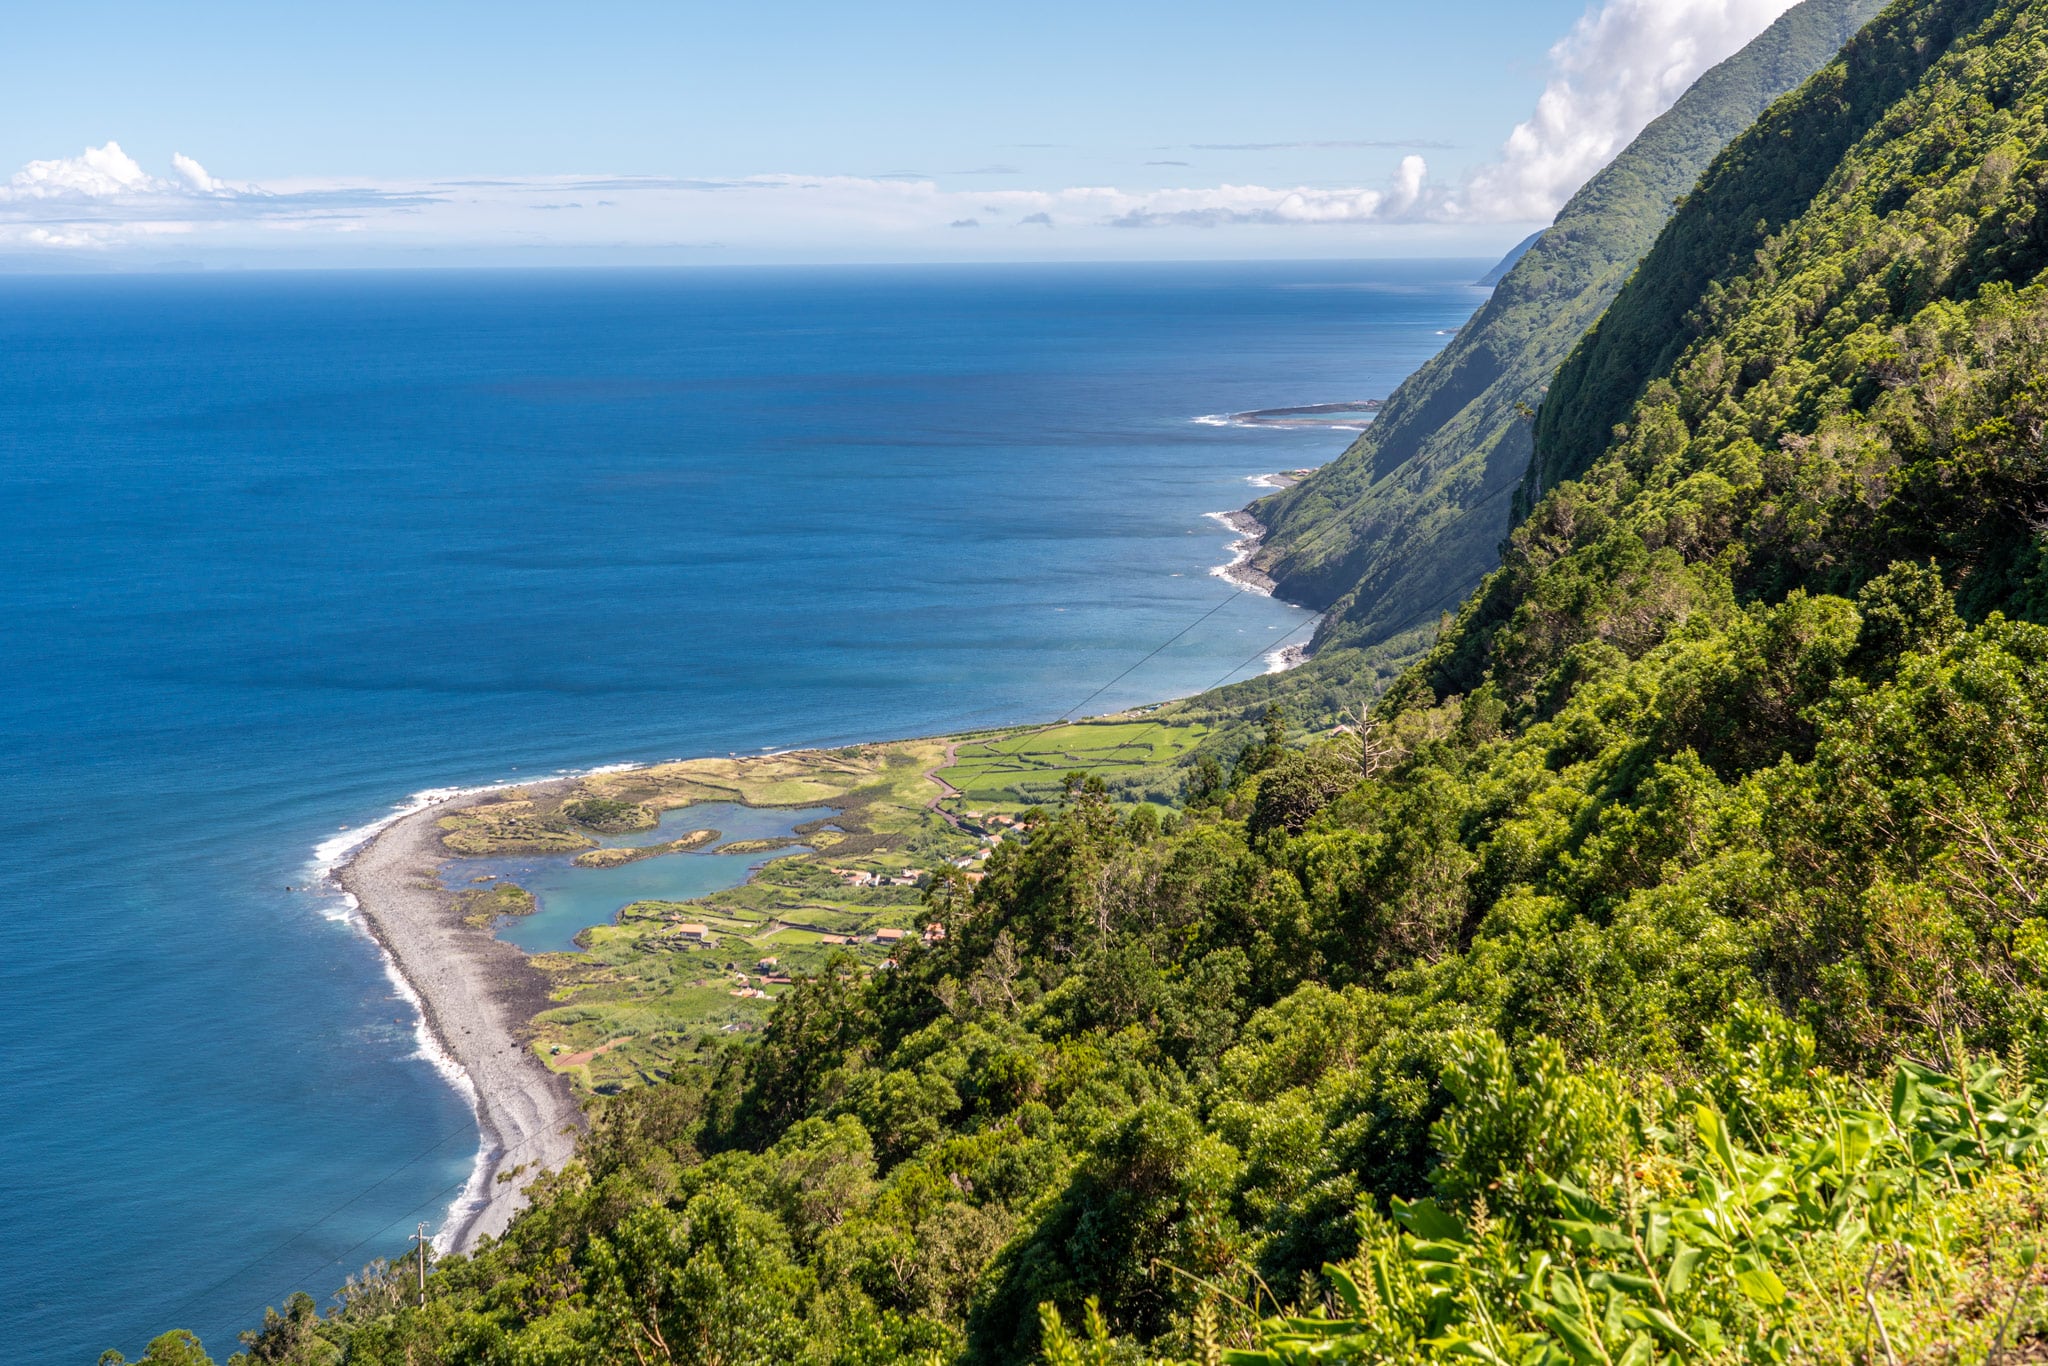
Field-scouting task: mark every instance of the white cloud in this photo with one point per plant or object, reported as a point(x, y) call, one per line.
point(95, 173)
point(64, 238)
point(102, 199)
point(194, 175)
point(1614, 72)
point(1618, 68)
point(1408, 183)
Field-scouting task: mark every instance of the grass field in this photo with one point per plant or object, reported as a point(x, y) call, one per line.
point(1135, 756)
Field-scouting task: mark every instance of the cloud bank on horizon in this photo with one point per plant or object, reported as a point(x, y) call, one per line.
point(1618, 68)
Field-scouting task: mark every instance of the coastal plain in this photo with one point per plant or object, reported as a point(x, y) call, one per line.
point(664, 982)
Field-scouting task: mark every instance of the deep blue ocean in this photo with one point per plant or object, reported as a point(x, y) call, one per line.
point(278, 550)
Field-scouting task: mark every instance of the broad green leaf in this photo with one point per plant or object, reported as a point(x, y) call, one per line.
point(1715, 1131)
point(1622, 1280)
point(1657, 1232)
point(1467, 1347)
point(1437, 1252)
point(1683, 1263)
point(1581, 1205)
point(1595, 1235)
point(1428, 1221)
point(1759, 1282)
point(1707, 1333)
point(1346, 1288)
point(1667, 1325)
point(1577, 1342)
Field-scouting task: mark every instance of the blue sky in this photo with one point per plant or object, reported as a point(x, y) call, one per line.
point(391, 134)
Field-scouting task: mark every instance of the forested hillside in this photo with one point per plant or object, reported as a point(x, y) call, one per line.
point(1661, 973)
point(1404, 524)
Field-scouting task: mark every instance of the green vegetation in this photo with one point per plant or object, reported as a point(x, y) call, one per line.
point(514, 823)
point(609, 816)
point(481, 906)
point(1138, 757)
point(1657, 972)
point(633, 853)
point(645, 997)
point(1765, 181)
point(1405, 523)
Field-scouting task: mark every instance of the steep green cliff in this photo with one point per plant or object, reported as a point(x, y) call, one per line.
point(1658, 974)
point(1404, 524)
point(1764, 182)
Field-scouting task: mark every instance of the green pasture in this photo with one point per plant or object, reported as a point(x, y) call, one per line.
point(1136, 757)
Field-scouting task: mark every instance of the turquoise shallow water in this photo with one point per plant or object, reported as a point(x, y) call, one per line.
point(572, 899)
point(277, 551)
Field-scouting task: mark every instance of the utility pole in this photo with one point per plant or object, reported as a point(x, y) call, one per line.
point(421, 1239)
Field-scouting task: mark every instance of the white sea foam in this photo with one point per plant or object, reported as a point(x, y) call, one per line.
point(1240, 421)
point(428, 1049)
point(1246, 422)
point(1240, 550)
point(1285, 657)
point(331, 853)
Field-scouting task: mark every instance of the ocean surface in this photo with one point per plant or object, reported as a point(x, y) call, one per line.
point(278, 551)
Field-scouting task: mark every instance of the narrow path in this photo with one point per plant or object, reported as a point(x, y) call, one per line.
point(946, 789)
point(591, 1054)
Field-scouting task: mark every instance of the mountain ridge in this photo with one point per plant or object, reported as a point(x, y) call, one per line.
point(1656, 972)
point(1405, 522)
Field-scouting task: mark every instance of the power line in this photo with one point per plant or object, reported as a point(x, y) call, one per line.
point(1225, 677)
point(270, 1253)
point(1069, 712)
point(1240, 592)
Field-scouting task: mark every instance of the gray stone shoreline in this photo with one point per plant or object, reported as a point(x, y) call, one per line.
point(478, 994)
point(1240, 570)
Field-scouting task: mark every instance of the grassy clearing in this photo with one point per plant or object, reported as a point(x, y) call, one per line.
point(1136, 756)
point(612, 858)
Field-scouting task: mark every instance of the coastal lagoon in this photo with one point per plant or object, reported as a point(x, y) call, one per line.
point(280, 551)
point(572, 899)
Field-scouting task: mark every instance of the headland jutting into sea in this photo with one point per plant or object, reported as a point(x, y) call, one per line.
point(481, 1000)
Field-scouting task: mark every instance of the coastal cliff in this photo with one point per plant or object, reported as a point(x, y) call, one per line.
point(1657, 971)
point(1404, 524)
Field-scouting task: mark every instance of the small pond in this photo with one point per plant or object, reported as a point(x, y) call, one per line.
point(573, 899)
